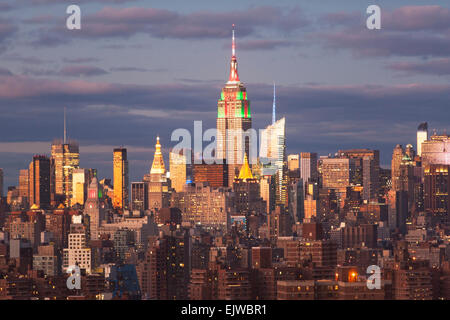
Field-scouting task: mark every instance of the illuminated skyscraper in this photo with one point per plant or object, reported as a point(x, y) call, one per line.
point(23, 183)
point(436, 150)
point(437, 190)
point(293, 162)
point(367, 170)
point(308, 166)
point(337, 173)
point(139, 196)
point(422, 135)
point(180, 169)
point(158, 188)
point(81, 179)
point(273, 150)
point(397, 157)
point(39, 182)
point(233, 120)
point(93, 208)
point(65, 156)
point(120, 178)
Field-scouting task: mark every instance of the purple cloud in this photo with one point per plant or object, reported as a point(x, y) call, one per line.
point(367, 43)
point(5, 72)
point(111, 22)
point(439, 67)
point(79, 71)
point(266, 44)
point(80, 60)
point(417, 18)
point(406, 31)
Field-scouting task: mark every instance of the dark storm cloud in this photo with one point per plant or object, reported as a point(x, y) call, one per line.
point(168, 106)
point(107, 114)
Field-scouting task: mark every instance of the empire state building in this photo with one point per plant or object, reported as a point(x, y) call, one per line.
point(233, 119)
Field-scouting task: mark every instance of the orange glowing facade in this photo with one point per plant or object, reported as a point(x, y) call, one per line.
point(65, 158)
point(120, 178)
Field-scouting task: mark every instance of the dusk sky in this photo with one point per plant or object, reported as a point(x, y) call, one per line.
point(137, 69)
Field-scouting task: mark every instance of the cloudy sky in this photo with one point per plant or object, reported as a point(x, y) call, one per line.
point(141, 68)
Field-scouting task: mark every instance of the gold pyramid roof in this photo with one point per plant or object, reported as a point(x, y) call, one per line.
point(245, 172)
point(158, 161)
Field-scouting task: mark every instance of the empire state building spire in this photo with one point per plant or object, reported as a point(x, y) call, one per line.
point(234, 77)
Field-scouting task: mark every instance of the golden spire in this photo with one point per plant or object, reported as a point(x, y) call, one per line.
point(245, 172)
point(158, 161)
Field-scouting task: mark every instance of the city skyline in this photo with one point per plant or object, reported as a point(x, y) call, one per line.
point(327, 106)
point(303, 174)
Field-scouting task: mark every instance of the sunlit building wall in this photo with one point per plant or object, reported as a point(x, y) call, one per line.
point(66, 158)
point(39, 182)
point(178, 168)
point(293, 162)
point(120, 178)
point(422, 136)
point(273, 149)
point(337, 172)
point(436, 150)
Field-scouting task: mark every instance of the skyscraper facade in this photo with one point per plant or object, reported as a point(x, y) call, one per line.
point(436, 150)
point(65, 158)
point(158, 188)
point(293, 162)
point(273, 149)
point(120, 178)
point(308, 166)
point(216, 175)
point(139, 196)
point(397, 157)
point(23, 183)
point(80, 182)
point(337, 172)
point(367, 170)
point(437, 190)
point(93, 209)
point(181, 169)
point(422, 136)
point(233, 120)
point(39, 182)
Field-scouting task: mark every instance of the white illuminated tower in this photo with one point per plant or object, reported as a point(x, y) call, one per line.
point(422, 135)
